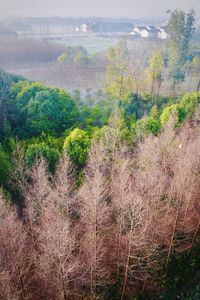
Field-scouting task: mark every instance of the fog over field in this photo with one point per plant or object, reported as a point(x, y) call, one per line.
point(105, 8)
point(49, 27)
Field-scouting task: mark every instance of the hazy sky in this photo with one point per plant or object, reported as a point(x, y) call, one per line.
point(111, 8)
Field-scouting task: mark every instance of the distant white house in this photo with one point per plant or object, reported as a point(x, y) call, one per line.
point(140, 31)
point(83, 28)
point(149, 32)
point(162, 34)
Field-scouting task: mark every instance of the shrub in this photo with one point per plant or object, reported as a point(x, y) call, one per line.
point(153, 125)
point(76, 145)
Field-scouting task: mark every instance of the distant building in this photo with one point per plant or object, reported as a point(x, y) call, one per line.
point(105, 27)
point(149, 32)
point(83, 28)
point(162, 34)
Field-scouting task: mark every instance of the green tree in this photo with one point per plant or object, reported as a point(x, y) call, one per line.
point(77, 145)
point(185, 107)
point(118, 79)
point(133, 107)
point(7, 109)
point(189, 103)
point(180, 29)
point(26, 92)
point(39, 109)
point(52, 110)
point(154, 112)
point(63, 58)
point(195, 71)
point(37, 151)
point(169, 111)
point(4, 166)
point(22, 93)
point(6, 130)
point(153, 125)
point(77, 97)
point(154, 71)
point(81, 57)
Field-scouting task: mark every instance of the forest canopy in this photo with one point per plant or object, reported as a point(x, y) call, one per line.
point(99, 193)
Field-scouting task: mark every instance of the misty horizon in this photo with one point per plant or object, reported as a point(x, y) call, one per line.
point(92, 8)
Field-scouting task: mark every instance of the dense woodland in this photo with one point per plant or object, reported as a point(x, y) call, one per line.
point(100, 199)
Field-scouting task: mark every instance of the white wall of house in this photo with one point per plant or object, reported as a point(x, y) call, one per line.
point(162, 34)
point(144, 33)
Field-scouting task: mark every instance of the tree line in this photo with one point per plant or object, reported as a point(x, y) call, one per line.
point(134, 70)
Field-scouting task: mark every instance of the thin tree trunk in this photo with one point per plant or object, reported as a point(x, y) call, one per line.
point(63, 285)
point(121, 82)
point(171, 241)
point(173, 87)
point(94, 268)
point(198, 86)
point(173, 233)
point(119, 245)
point(190, 84)
point(23, 294)
point(144, 284)
point(152, 89)
point(174, 228)
point(159, 87)
point(127, 262)
point(167, 212)
point(187, 206)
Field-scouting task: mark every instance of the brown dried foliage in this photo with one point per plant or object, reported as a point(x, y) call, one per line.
point(133, 212)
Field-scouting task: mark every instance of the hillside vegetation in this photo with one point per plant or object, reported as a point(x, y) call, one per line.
point(111, 212)
point(99, 196)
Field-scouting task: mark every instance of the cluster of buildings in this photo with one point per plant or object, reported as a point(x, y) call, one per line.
point(149, 32)
point(127, 28)
point(55, 27)
point(105, 27)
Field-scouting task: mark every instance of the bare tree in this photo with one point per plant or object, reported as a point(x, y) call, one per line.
point(135, 210)
point(169, 184)
point(19, 174)
point(95, 220)
point(64, 186)
point(38, 191)
point(47, 200)
point(58, 263)
point(136, 68)
point(121, 195)
point(16, 265)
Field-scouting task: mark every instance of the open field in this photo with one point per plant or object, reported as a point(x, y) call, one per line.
point(93, 44)
point(69, 76)
point(36, 60)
